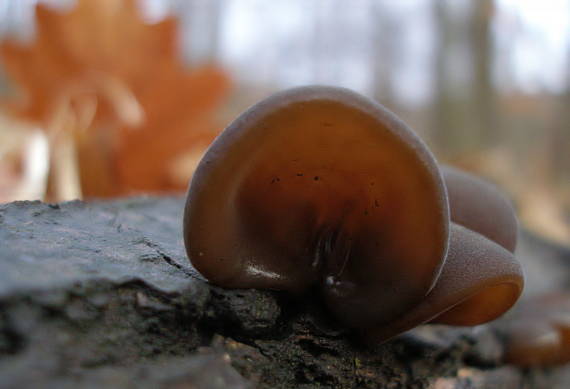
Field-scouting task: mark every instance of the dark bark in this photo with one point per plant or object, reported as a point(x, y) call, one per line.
point(101, 295)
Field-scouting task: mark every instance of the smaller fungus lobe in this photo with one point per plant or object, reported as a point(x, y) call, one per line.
point(538, 332)
point(426, 255)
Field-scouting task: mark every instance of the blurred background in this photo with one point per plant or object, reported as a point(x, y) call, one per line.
point(107, 98)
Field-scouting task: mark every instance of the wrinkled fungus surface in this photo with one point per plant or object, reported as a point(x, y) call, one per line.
point(319, 186)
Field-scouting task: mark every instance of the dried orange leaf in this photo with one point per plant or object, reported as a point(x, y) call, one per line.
point(135, 109)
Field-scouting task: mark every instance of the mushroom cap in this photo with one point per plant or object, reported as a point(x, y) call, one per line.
point(319, 185)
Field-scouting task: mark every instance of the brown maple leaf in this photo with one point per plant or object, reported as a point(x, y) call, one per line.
point(116, 84)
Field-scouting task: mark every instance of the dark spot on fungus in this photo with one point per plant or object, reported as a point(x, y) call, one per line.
point(316, 178)
point(299, 174)
point(381, 273)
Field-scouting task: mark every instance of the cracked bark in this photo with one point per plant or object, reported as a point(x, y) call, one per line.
point(101, 294)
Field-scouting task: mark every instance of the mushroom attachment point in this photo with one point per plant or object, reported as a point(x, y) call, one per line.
point(321, 187)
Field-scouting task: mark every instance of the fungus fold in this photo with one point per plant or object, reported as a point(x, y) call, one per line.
point(319, 186)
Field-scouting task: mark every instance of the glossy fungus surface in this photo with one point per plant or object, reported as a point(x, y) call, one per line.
point(320, 187)
point(538, 332)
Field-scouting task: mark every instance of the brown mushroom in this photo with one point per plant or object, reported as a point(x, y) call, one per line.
point(538, 332)
point(321, 186)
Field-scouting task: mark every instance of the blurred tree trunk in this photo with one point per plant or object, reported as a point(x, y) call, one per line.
point(561, 132)
point(384, 51)
point(200, 29)
point(213, 32)
point(483, 95)
point(443, 108)
point(464, 112)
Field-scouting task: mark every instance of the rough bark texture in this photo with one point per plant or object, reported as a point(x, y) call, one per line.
point(101, 295)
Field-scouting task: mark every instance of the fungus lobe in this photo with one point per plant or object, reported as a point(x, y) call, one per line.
point(321, 186)
point(538, 332)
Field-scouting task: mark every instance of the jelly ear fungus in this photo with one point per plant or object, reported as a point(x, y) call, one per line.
point(538, 332)
point(321, 186)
